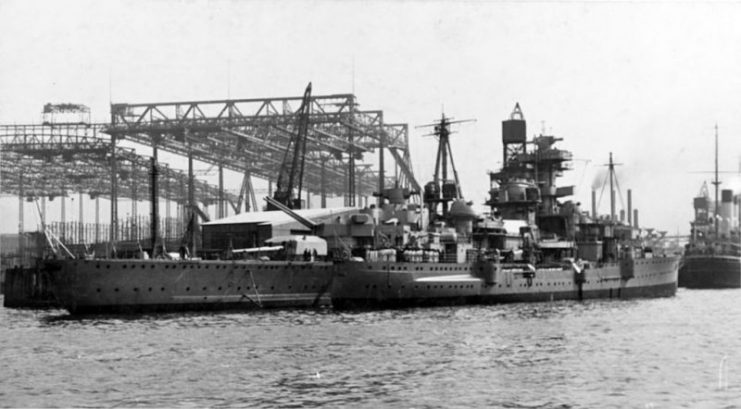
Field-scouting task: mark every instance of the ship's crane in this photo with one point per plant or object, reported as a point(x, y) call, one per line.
point(310, 224)
point(451, 189)
point(292, 168)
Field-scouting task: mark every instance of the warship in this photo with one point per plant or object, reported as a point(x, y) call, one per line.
point(133, 286)
point(271, 259)
point(712, 258)
point(530, 246)
point(285, 271)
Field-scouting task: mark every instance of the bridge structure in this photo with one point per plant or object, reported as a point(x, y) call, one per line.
point(346, 154)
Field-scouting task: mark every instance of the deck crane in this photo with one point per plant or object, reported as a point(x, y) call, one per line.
point(292, 168)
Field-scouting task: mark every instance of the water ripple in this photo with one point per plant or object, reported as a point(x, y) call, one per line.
point(675, 352)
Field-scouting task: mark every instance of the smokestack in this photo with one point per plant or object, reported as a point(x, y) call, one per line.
point(726, 212)
point(635, 218)
point(622, 215)
point(630, 207)
point(594, 204)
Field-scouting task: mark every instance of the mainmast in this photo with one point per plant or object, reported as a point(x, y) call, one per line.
point(612, 189)
point(451, 189)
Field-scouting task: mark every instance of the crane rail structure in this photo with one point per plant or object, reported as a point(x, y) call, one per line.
point(248, 136)
point(52, 161)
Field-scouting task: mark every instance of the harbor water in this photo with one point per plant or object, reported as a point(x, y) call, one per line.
point(675, 352)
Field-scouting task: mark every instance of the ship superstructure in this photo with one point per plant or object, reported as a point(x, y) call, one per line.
point(531, 246)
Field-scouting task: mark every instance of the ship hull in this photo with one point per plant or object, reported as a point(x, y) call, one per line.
point(134, 286)
point(710, 271)
point(391, 285)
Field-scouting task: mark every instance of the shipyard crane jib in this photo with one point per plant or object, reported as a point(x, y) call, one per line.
point(311, 225)
point(292, 168)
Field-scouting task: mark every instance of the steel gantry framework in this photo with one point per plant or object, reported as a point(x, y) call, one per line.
point(55, 161)
point(248, 136)
point(50, 161)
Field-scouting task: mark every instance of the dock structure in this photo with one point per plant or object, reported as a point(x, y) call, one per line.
point(67, 155)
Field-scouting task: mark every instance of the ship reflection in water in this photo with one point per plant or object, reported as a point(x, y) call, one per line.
point(662, 353)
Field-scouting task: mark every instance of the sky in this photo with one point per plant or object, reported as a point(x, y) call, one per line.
point(647, 81)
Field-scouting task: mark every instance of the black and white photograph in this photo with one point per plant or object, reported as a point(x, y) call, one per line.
point(370, 204)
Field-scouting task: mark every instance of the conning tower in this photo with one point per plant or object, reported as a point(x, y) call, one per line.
point(513, 192)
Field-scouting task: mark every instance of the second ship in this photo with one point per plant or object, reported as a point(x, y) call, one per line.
point(712, 258)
